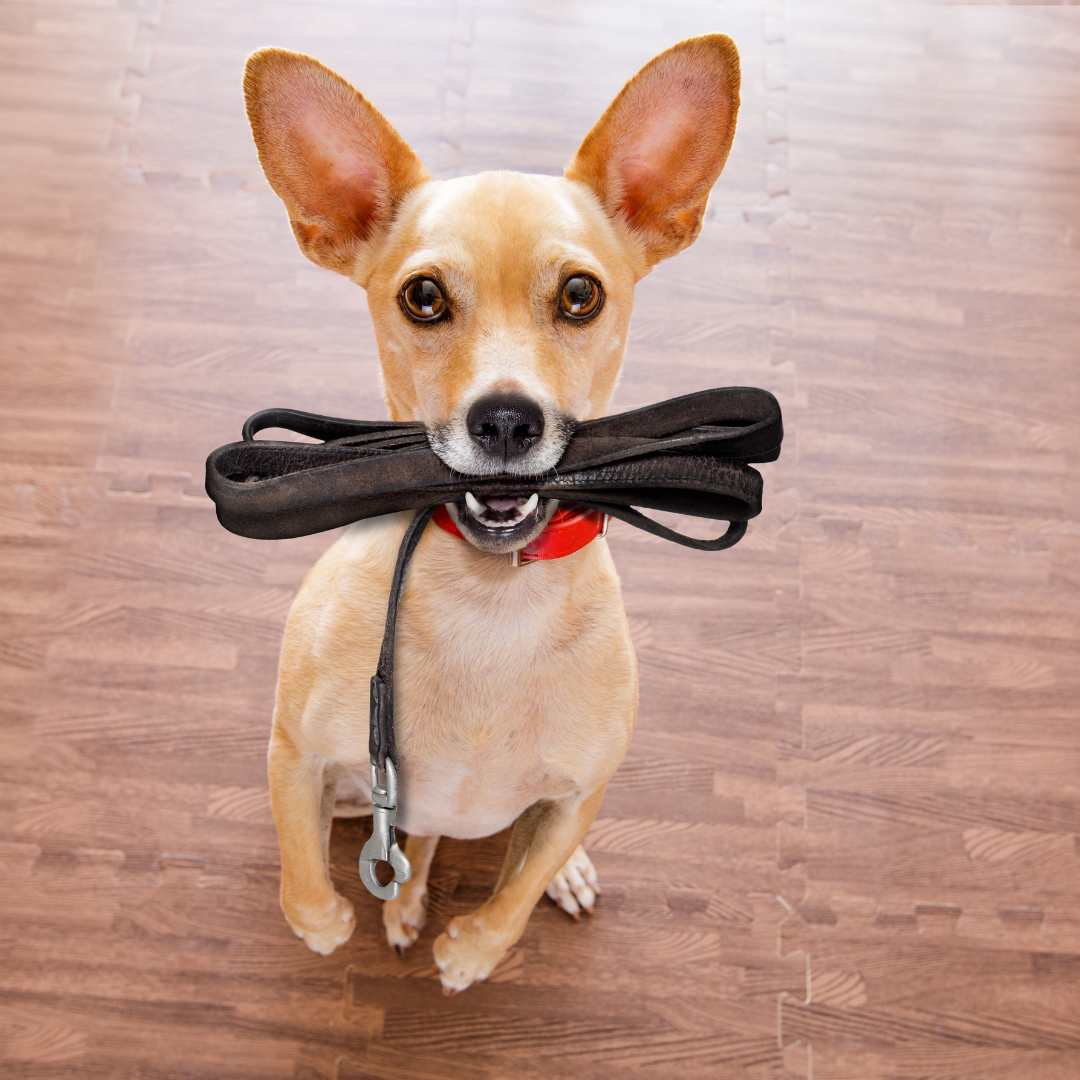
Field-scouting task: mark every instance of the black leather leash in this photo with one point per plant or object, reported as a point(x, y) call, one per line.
point(382, 845)
point(689, 455)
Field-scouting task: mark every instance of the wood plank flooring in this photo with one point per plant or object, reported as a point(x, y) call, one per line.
point(844, 844)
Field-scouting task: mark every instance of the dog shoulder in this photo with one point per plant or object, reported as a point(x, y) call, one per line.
point(347, 588)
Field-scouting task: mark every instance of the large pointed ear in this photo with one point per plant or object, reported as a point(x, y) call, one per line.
point(338, 165)
point(653, 157)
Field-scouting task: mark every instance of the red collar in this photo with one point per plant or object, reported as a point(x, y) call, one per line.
point(571, 527)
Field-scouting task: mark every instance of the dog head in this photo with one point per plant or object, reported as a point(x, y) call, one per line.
point(501, 301)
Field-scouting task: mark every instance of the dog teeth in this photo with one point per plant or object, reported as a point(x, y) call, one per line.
point(483, 512)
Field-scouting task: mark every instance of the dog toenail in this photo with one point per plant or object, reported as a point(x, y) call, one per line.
point(448, 991)
point(399, 950)
point(589, 911)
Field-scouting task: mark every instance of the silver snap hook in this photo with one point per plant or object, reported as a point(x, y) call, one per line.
point(382, 845)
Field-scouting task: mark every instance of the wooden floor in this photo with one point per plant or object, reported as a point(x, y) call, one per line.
point(844, 844)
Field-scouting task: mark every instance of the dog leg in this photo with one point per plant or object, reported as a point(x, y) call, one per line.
point(575, 887)
point(544, 838)
point(302, 788)
point(404, 917)
point(351, 800)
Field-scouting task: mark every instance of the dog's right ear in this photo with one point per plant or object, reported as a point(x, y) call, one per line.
point(338, 165)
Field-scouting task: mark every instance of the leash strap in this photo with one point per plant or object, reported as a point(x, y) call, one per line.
point(382, 845)
point(381, 737)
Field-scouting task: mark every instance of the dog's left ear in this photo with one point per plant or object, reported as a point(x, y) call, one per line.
point(654, 156)
point(340, 168)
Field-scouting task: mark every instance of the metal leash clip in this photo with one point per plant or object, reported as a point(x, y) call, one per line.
point(383, 846)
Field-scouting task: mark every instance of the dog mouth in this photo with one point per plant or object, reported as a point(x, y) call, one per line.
point(501, 512)
point(504, 522)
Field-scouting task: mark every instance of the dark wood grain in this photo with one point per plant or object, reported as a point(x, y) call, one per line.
point(844, 842)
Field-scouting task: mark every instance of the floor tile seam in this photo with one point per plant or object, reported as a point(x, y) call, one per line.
point(453, 91)
point(798, 1052)
point(147, 16)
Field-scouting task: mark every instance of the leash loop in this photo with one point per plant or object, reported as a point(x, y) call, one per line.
point(690, 455)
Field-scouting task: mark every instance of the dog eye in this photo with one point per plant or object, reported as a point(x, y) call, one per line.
point(581, 297)
point(423, 300)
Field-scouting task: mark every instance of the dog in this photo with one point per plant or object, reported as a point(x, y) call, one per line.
point(501, 304)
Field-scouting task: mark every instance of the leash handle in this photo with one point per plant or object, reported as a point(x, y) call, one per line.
point(382, 846)
point(326, 428)
point(736, 530)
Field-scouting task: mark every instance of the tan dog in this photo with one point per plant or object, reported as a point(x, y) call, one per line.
point(501, 305)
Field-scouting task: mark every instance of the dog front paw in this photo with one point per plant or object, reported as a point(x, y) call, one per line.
point(575, 887)
point(404, 918)
point(334, 930)
point(466, 953)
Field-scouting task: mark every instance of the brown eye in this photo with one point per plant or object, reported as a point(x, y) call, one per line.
point(423, 300)
point(581, 297)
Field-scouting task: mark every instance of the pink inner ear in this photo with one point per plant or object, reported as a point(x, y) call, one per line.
point(659, 165)
point(344, 181)
point(352, 198)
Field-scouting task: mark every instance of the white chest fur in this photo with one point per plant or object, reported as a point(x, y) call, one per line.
point(511, 684)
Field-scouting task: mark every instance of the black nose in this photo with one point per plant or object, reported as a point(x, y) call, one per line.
point(505, 426)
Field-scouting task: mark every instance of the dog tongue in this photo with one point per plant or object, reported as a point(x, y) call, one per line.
point(501, 503)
